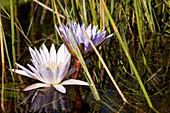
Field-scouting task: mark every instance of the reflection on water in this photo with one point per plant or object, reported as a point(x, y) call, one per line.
point(48, 99)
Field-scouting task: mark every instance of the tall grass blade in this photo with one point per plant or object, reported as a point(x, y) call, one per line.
point(73, 7)
point(140, 37)
point(54, 18)
point(106, 68)
point(129, 58)
point(12, 32)
point(84, 10)
point(93, 12)
point(3, 67)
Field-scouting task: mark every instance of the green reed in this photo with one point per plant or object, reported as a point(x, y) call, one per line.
point(93, 13)
point(3, 66)
point(9, 63)
point(12, 32)
point(7, 54)
point(129, 58)
point(54, 19)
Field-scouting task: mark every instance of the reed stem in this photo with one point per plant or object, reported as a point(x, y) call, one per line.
point(106, 68)
point(12, 32)
point(3, 66)
point(140, 38)
point(93, 12)
point(54, 19)
point(128, 57)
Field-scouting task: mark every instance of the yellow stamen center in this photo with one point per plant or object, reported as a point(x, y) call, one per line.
point(52, 66)
point(59, 65)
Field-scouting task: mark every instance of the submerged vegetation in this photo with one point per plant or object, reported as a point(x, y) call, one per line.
point(128, 73)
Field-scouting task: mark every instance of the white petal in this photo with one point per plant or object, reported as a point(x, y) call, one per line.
point(74, 82)
point(47, 75)
point(62, 72)
point(44, 59)
point(63, 56)
point(27, 71)
point(52, 59)
point(35, 86)
point(21, 72)
point(60, 54)
point(36, 72)
point(38, 56)
point(45, 52)
point(55, 73)
point(34, 56)
point(35, 63)
point(31, 52)
point(60, 88)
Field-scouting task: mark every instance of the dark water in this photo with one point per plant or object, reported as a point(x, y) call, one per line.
point(42, 31)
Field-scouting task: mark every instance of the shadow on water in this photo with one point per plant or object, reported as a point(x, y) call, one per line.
point(48, 99)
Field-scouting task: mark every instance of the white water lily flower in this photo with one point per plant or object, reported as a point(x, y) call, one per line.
point(50, 68)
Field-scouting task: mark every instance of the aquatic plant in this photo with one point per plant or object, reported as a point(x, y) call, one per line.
point(50, 68)
point(137, 51)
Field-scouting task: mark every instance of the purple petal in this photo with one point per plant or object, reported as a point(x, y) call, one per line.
point(94, 29)
point(107, 38)
point(58, 30)
point(66, 32)
point(98, 39)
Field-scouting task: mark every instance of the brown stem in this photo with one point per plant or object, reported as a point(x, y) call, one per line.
point(78, 65)
point(79, 100)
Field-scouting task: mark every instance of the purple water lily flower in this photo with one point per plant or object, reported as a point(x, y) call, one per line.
point(50, 68)
point(96, 37)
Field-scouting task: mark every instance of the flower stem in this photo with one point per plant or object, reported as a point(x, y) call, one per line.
point(78, 65)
